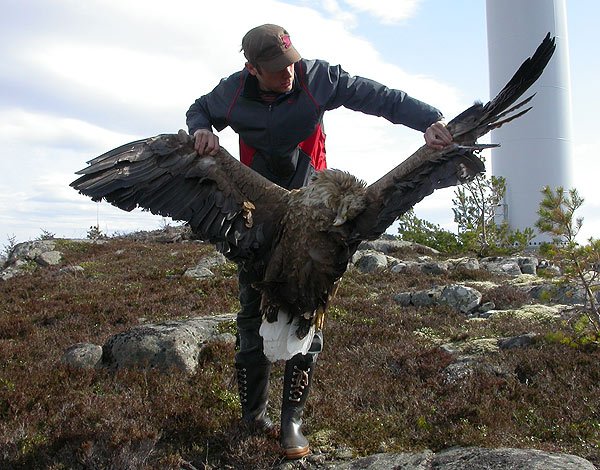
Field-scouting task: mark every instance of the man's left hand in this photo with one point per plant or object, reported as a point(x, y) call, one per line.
point(437, 136)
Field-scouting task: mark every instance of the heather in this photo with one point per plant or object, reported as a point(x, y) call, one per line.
point(381, 383)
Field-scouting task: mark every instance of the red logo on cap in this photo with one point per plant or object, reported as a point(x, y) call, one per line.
point(287, 42)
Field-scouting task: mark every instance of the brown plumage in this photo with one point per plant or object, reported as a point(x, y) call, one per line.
point(302, 240)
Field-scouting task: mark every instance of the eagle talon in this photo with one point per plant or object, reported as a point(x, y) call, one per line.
point(303, 327)
point(271, 313)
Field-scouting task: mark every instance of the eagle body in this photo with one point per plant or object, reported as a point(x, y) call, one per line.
point(299, 241)
point(315, 229)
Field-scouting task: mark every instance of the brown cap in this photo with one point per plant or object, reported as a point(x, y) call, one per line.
point(269, 46)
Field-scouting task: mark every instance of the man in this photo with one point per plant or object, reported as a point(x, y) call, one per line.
point(276, 106)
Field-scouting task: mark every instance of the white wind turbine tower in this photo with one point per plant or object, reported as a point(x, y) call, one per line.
point(536, 150)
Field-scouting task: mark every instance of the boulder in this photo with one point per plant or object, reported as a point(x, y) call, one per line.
point(517, 342)
point(434, 267)
point(476, 458)
point(404, 266)
point(421, 461)
point(472, 264)
point(558, 293)
point(459, 297)
point(83, 356)
point(202, 269)
point(369, 261)
point(29, 251)
point(24, 256)
point(500, 265)
point(164, 346)
point(528, 265)
point(425, 298)
point(461, 458)
point(462, 298)
point(10, 272)
point(387, 246)
point(49, 258)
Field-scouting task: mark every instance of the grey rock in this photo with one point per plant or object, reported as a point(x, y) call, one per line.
point(557, 293)
point(528, 265)
point(486, 307)
point(403, 266)
point(515, 342)
point(404, 299)
point(10, 272)
point(462, 298)
point(456, 458)
point(83, 356)
point(460, 369)
point(407, 461)
point(72, 270)
point(475, 458)
point(370, 261)
point(49, 258)
point(426, 298)
point(500, 265)
point(29, 251)
point(25, 254)
point(471, 264)
point(198, 272)
point(549, 269)
point(164, 346)
point(213, 260)
point(202, 269)
point(388, 245)
point(434, 267)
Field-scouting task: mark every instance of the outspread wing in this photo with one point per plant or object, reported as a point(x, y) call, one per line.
point(224, 202)
point(427, 170)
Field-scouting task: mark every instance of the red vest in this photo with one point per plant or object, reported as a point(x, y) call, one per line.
point(314, 146)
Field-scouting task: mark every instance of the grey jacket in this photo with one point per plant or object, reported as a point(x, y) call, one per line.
point(276, 130)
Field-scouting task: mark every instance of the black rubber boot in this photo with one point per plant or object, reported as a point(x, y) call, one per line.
point(253, 386)
point(296, 385)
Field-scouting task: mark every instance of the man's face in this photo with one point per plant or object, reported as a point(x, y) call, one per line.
point(278, 82)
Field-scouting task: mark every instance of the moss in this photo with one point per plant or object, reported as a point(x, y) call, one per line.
point(536, 312)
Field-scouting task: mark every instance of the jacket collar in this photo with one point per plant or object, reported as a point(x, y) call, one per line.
point(251, 90)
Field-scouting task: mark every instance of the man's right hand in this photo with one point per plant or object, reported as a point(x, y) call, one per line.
point(206, 143)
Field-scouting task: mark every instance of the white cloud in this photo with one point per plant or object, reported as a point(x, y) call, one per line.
point(83, 78)
point(387, 11)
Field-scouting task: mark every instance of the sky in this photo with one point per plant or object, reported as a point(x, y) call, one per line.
point(80, 78)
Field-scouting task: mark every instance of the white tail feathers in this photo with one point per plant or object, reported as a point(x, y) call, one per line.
point(279, 338)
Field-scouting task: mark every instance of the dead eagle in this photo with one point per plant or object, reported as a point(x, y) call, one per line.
point(302, 239)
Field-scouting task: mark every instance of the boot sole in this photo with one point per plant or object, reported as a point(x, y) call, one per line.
point(296, 452)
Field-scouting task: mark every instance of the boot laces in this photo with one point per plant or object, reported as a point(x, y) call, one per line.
point(243, 384)
point(298, 384)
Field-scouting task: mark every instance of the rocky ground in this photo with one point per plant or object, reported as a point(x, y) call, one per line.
point(178, 344)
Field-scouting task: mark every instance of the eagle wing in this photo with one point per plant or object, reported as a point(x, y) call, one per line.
point(224, 202)
point(427, 169)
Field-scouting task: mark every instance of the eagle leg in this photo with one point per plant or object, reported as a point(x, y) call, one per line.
point(270, 312)
point(304, 325)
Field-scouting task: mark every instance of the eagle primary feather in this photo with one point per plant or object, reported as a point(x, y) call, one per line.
point(300, 240)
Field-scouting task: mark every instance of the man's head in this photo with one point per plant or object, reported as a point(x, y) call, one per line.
point(271, 57)
point(269, 48)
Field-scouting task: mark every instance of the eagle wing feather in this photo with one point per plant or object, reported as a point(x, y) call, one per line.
point(224, 202)
point(428, 169)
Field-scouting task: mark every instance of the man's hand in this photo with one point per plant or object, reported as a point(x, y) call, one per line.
point(437, 136)
point(206, 143)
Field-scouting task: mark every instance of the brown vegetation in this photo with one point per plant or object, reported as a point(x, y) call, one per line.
point(379, 386)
